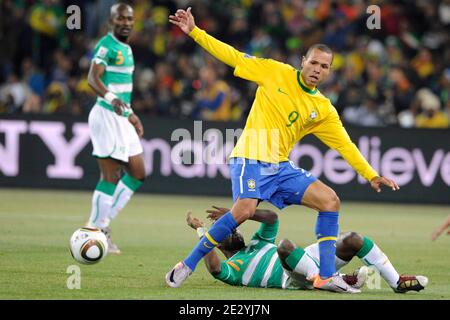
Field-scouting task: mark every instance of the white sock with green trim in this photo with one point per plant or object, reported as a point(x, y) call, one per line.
point(123, 193)
point(302, 263)
point(101, 204)
point(371, 255)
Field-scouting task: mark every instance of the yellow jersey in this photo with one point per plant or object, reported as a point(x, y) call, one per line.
point(285, 110)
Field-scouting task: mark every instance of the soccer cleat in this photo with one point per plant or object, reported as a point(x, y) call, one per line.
point(410, 283)
point(334, 284)
point(358, 278)
point(112, 247)
point(176, 276)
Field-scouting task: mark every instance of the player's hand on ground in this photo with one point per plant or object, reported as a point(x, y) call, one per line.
point(137, 124)
point(193, 222)
point(183, 19)
point(216, 213)
point(377, 182)
point(437, 233)
point(119, 106)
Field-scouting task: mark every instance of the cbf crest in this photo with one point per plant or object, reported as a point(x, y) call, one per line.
point(311, 119)
point(251, 184)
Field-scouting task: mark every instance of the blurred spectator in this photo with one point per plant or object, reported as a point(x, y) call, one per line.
point(423, 65)
point(365, 115)
point(430, 114)
point(402, 87)
point(55, 98)
point(213, 100)
point(33, 104)
point(47, 20)
point(13, 94)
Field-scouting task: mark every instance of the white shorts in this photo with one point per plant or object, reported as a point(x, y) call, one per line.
point(112, 136)
point(295, 280)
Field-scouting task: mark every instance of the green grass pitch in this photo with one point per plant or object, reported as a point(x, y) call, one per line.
point(35, 227)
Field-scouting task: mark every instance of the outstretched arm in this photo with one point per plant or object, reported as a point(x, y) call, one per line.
point(212, 260)
point(334, 135)
point(222, 51)
point(245, 66)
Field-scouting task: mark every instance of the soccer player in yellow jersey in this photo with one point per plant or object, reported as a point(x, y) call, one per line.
point(287, 107)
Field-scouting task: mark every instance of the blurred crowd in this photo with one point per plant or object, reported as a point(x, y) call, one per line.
point(396, 75)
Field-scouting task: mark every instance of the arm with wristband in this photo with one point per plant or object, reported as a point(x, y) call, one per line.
point(96, 71)
point(212, 260)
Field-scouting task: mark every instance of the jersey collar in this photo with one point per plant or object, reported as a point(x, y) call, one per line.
point(121, 42)
point(303, 85)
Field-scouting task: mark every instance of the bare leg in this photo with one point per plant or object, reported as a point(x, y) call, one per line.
point(243, 209)
point(348, 245)
point(136, 167)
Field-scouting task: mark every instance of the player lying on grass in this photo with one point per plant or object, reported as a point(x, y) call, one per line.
point(263, 264)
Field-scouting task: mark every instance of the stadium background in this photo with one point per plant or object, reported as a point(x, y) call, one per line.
point(390, 86)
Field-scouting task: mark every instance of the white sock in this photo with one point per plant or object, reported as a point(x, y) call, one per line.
point(306, 265)
point(373, 256)
point(101, 208)
point(121, 196)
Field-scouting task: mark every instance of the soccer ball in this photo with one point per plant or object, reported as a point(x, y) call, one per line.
point(88, 245)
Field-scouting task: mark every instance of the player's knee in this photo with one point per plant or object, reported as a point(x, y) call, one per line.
point(244, 210)
point(111, 177)
point(331, 202)
point(140, 177)
point(353, 241)
point(247, 212)
point(285, 248)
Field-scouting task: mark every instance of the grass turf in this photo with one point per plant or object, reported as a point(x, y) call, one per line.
point(35, 227)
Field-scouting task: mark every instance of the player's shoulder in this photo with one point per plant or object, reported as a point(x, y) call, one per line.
point(282, 66)
point(106, 39)
point(324, 100)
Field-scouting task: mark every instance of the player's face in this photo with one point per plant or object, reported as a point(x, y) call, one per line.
point(316, 67)
point(123, 22)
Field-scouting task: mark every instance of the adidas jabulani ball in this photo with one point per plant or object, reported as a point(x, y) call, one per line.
point(88, 245)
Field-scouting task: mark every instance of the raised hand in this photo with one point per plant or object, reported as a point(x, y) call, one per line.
point(183, 19)
point(216, 213)
point(378, 181)
point(193, 222)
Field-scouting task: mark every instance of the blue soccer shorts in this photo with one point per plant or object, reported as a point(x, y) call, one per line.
point(281, 184)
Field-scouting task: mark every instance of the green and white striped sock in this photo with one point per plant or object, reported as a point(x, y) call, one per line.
point(123, 193)
point(102, 200)
point(371, 255)
point(302, 263)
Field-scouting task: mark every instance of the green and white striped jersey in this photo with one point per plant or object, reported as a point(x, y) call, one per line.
point(117, 57)
point(256, 265)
